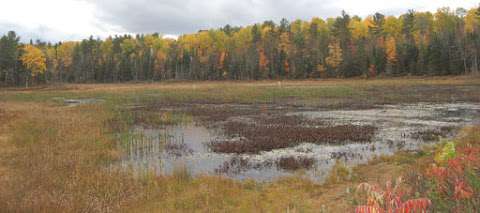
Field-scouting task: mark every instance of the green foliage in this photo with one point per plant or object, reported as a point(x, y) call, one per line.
point(446, 153)
point(473, 179)
point(9, 49)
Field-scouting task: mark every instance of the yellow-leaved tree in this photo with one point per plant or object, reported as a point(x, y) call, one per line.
point(286, 47)
point(34, 60)
point(391, 51)
point(262, 60)
point(65, 54)
point(335, 57)
point(359, 29)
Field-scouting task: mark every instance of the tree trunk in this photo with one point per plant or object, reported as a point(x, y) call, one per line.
point(5, 73)
point(475, 63)
point(136, 69)
point(389, 69)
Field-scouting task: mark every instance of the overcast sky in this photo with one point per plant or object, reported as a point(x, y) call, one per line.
point(56, 20)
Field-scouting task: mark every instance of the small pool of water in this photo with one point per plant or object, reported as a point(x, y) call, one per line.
point(398, 126)
point(78, 102)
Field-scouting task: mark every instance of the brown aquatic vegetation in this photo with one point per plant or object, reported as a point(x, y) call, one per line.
point(177, 149)
point(345, 156)
point(154, 112)
point(238, 164)
point(434, 134)
point(255, 138)
point(211, 113)
point(235, 165)
point(287, 120)
point(295, 163)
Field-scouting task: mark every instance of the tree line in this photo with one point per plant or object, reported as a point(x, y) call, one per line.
point(446, 42)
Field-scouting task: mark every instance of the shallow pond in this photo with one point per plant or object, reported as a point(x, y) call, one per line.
point(398, 127)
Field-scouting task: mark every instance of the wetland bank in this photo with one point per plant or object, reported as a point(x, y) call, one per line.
point(263, 145)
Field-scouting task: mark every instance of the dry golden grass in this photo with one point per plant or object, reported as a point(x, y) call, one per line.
point(124, 87)
point(331, 93)
point(60, 162)
point(323, 93)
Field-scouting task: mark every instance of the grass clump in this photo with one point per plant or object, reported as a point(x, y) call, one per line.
point(339, 173)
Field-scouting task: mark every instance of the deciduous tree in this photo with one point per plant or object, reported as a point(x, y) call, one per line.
point(34, 61)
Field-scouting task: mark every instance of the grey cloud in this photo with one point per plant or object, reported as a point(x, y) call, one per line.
point(186, 16)
point(42, 32)
point(175, 17)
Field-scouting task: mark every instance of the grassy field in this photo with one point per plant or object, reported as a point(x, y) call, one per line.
point(56, 158)
point(325, 93)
